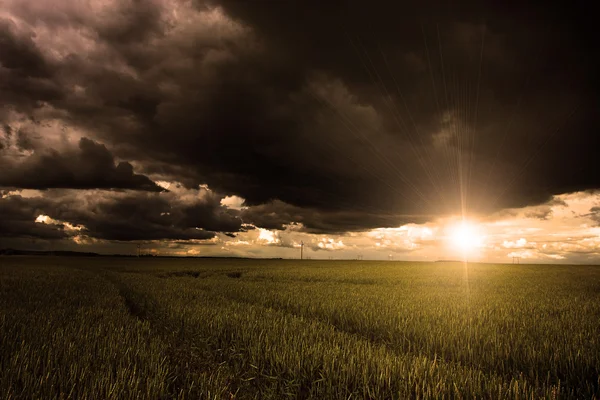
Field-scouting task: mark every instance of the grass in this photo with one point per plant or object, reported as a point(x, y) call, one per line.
point(273, 329)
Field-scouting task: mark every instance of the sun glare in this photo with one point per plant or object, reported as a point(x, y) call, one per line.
point(465, 236)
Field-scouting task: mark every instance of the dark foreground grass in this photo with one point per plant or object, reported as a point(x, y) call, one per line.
point(220, 329)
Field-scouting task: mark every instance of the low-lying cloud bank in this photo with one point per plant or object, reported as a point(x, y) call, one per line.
point(200, 222)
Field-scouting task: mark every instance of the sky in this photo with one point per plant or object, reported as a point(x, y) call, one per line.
point(381, 129)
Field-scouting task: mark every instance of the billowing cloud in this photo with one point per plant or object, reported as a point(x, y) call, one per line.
point(122, 216)
point(89, 166)
point(18, 219)
point(234, 202)
point(374, 118)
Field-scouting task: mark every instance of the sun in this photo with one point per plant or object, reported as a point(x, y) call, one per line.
point(465, 236)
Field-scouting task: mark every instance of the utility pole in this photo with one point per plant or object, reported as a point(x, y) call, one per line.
point(138, 250)
point(301, 250)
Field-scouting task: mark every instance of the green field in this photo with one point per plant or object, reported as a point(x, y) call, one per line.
point(123, 328)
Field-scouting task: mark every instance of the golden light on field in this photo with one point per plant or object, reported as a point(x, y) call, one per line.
point(465, 236)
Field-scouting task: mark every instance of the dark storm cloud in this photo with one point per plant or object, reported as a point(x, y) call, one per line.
point(20, 54)
point(25, 76)
point(276, 215)
point(130, 217)
point(209, 217)
point(121, 216)
point(135, 21)
point(340, 116)
point(139, 216)
point(90, 166)
point(17, 219)
point(536, 94)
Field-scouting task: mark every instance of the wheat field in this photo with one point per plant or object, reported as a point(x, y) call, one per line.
point(154, 328)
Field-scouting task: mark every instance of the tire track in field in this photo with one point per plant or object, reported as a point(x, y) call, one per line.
point(145, 311)
point(262, 380)
point(573, 387)
point(395, 349)
point(186, 357)
point(134, 309)
point(183, 349)
point(357, 333)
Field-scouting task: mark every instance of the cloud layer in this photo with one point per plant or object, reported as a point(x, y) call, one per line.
point(334, 118)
